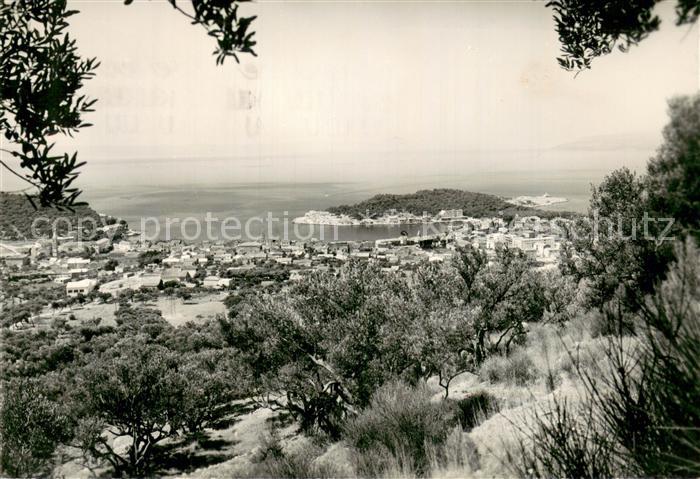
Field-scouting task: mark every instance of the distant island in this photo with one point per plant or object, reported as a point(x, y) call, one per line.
point(535, 201)
point(441, 204)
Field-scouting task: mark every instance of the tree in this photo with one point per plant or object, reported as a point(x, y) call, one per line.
point(32, 425)
point(212, 379)
point(41, 75)
point(146, 322)
point(590, 28)
point(444, 327)
point(110, 265)
point(133, 391)
point(503, 294)
point(619, 251)
point(322, 349)
point(673, 175)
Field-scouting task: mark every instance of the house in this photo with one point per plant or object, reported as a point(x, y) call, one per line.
point(78, 272)
point(338, 246)
point(122, 247)
point(16, 260)
point(73, 247)
point(223, 257)
point(448, 214)
point(303, 263)
point(77, 262)
point(241, 269)
point(249, 247)
point(111, 230)
point(171, 260)
point(84, 286)
point(190, 273)
point(102, 245)
point(216, 283)
point(211, 282)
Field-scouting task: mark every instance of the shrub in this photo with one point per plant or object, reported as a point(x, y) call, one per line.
point(457, 457)
point(31, 427)
point(399, 430)
point(474, 409)
point(274, 462)
point(563, 442)
point(649, 402)
point(516, 368)
point(642, 417)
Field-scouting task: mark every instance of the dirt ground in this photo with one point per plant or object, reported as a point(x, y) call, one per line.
point(174, 310)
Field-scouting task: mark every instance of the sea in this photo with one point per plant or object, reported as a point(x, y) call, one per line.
point(265, 210)
point(257, 197)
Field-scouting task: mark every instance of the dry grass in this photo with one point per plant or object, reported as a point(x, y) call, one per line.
point(516, 368)
point(481, 452)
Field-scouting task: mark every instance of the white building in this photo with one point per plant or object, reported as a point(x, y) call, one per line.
point(75, 288)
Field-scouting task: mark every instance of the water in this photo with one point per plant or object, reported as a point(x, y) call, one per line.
point(183, 190)
point(249, 206)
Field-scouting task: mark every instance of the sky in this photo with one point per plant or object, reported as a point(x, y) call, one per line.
point(343, 89)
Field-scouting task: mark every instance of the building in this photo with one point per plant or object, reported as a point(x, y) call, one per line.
point(16, 260)
point(78, 272)
point(173, 275)
point(82, 287)
point(102, 245)
point(211, 282)
point(122, 247)
point(17, 256)
point(249, 247)
point(448, 214)
point(77, 262)
point(216, 283)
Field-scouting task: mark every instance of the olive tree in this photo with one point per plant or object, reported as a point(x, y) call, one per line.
point(132, 392)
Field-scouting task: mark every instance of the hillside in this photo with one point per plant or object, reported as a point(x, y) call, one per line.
point(17, 216)
point(432, 201)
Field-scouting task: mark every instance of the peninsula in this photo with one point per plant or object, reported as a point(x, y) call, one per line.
point(424, 206)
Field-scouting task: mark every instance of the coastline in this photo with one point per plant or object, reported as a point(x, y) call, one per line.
point(537, 201)
point(326, 218)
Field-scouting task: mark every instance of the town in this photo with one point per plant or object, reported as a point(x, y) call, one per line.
point(191, 281)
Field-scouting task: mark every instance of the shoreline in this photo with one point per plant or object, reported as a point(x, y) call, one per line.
point(537, 201)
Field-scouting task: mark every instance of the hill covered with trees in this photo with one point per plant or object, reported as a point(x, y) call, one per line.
point(18, 216)
point(432, 201)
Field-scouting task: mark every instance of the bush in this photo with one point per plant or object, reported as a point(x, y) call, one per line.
point(516, 368)
point(31, 427)
point(641, 412)
point(563, 442)
point(274, 462)
point(399, 430)
point(474, 409)
point(457, 457)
